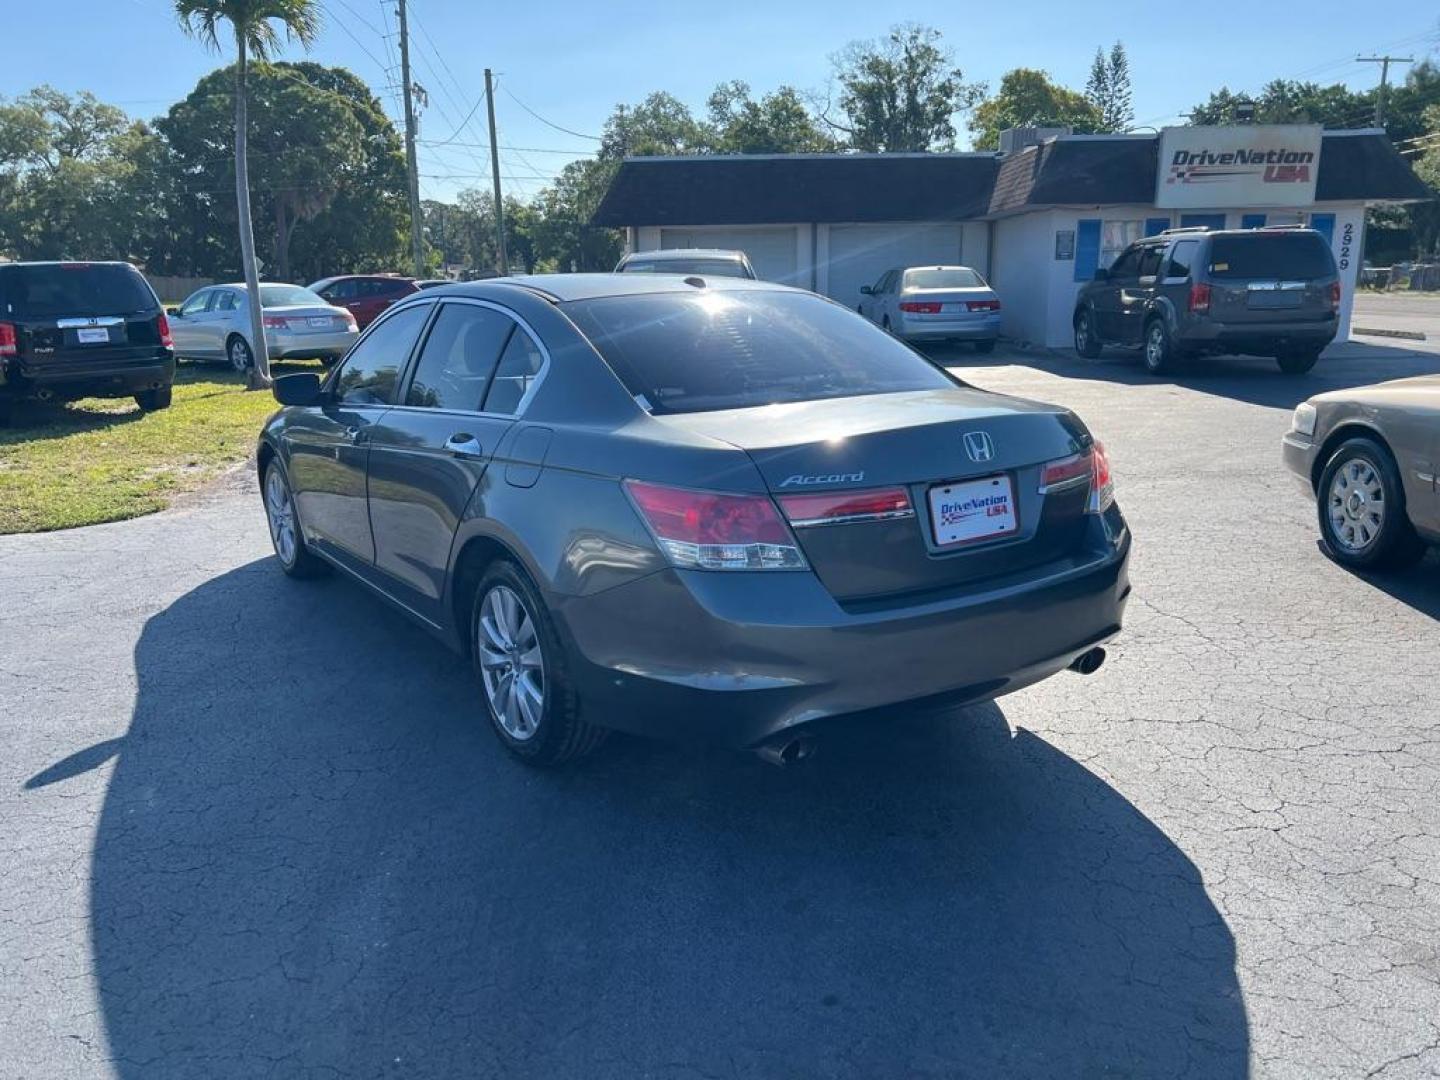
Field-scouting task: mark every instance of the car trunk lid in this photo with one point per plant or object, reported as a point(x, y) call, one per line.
point(968, 463)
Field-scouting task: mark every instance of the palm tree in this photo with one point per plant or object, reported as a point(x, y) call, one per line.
point(253, 23)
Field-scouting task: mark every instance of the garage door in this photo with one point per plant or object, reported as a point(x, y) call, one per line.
point(859, 254)
point(771, 251)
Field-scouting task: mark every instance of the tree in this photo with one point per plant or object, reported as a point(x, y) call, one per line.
point(1108, 89)
point(564, 237)
point(1424, 218)
point(779, 123)
point(661, 124)
point(1027, 98)
point(1286, 101)
point(901, 92)
point(252, 24)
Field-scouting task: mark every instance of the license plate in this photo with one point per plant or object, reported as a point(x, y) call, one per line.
point(320, 321)
point(971, 510)
point(92, 335)
point(1269, 301)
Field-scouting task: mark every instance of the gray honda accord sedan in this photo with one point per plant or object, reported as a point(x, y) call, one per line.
point(708, 509)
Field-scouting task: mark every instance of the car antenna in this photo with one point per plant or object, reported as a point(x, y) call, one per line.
point(698, 282)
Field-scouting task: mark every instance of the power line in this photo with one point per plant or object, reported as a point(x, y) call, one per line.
point(547, 123)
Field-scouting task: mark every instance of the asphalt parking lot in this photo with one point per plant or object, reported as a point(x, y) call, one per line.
point(252, 828)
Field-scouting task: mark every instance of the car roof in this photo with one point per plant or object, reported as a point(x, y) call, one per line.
point(688, 253)
point(380, 277)
point(68, 262)
point(562, 288)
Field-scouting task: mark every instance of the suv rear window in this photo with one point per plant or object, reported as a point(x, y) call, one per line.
point(694, 352)
point(68, 290)
point(1271, 255)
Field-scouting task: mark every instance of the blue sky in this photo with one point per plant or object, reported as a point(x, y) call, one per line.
point(572, 62)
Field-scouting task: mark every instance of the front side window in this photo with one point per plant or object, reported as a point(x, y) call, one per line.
point(1127, 265)
point(519, 365)
point(197, 303)
point(458, 357)
point(696, 351)
point(369, 373)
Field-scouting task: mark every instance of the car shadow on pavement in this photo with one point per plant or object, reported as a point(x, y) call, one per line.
point(313, 860)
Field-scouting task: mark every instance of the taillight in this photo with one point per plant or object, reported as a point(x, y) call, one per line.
point(276, 322)
point(1334, 296)
point(983, 305)
point(162, 327)
point(1092, 466)
point(350, 323)
point(1200, 298)
point(707, 530)
point(916, 307)
point(9, 342)
point(845, 507)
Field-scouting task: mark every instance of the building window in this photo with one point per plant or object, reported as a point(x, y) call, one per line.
point(1117, 235)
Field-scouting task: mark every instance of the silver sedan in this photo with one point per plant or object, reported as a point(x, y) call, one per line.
point(214, 324)
point(934, 303)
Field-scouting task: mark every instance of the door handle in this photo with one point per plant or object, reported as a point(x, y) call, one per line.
point(355, 434)
point(464, 444)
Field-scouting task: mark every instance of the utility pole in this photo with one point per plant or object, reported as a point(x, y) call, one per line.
point(1384, 62)
point(495, 175)
point(417, 236)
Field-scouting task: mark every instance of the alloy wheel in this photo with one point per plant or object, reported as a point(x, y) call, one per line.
point(240, 358)
point(1356, 505)
point(1155, 346)
point(511, 663)
point(281, 515)
point(1082, 334)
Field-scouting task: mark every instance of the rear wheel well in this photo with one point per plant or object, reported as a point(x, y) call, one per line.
point(1082, 309)
point(474, 559)
point(263, 457)
point(1334, 439)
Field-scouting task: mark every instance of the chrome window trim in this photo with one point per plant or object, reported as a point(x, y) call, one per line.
point(852, 519)
point(1065, 485)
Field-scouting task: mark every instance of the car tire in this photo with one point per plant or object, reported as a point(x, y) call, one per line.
point(1158, 354)
point(1298, 362)
point(286, 536)
point(237, 351)
point(508, 609)
point(1352, 531)
point(885, 324)
point(987, 346)
point(1086, 343)
point(154, 400)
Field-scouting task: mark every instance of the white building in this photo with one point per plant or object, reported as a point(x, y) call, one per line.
point(1037, 221)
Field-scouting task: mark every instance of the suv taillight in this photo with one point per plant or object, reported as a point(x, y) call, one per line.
point(1334, 296)
point(1199, 298)
point(162, 327)
point(708, 530)
point(9, 342)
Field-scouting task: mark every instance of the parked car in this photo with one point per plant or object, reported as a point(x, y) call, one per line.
point(82, 329)
point(364, 295)
point(934, 303)
point(430, 282)
point(1369, 456)
point(720, 512)
point(1186, 292)
point(706, 262)
point(214, 324)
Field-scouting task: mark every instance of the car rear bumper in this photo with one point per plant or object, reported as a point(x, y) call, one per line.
point(102, 376)
point(1262, 338)
point(284, 346)
point(933, 328)
point(737, 660)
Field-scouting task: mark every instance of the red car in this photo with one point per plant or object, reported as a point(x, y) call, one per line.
point(364, 295)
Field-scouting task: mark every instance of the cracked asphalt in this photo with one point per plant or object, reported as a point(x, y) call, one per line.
point(252, 828)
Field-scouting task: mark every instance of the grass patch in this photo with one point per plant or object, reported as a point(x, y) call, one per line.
point(104, 460)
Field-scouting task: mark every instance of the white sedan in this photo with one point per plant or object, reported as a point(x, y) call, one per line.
point(214, 324)
point(934, 303)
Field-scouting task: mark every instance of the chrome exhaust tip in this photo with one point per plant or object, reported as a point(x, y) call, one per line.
point(1087, 663)
point(786, 751)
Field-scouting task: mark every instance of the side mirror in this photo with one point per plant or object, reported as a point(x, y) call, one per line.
point(1102, 274)
point(300, 389)
point(867, 290)
point(173, 313)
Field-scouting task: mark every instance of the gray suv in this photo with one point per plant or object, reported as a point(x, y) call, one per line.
point(1269, 292)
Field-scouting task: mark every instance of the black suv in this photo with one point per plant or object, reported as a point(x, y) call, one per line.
point(70, 330)
point(1270, 292)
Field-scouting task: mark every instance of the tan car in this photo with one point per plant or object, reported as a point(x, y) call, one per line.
point(1369, 456)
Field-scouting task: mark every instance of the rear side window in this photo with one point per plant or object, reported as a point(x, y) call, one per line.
point(458, 357)
point(369, 373)
point(519, 365)
point(63, 290)
point(1271, 255)
point(1150, 261)
point(942, 277)
point(691, 352)
point(227, 301)
point(1182, 257)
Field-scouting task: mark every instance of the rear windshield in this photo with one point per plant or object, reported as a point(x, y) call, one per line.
point(714, 267)
point(1271, 255)
point(943, 277)
point(288, 296)
point(66, 290)
point(684, 352)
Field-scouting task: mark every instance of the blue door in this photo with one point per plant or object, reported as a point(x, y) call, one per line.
point(1252, 221)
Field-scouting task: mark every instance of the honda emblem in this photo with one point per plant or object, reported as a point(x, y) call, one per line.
point(979, 446)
